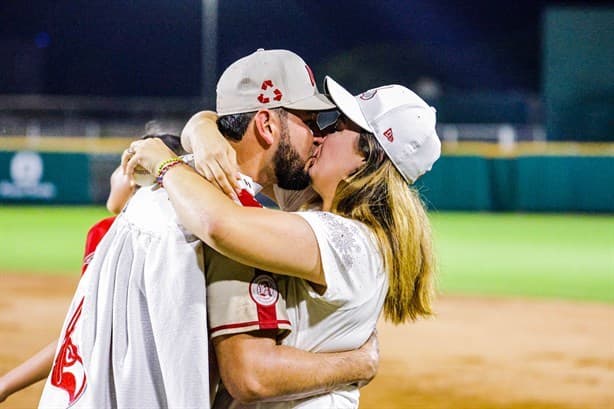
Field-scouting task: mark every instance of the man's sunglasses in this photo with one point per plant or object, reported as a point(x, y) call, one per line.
point(318, 122)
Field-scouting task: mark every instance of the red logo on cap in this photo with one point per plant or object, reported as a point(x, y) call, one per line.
point(388, 134)
point(277, 95)
point(311, 77)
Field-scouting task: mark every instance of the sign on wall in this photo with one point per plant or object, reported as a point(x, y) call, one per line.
point(29, 176)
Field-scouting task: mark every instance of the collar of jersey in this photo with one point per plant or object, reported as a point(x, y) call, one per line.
point(247, 183)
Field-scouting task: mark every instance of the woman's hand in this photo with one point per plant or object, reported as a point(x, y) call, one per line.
point(146, 153)
point(214, 157)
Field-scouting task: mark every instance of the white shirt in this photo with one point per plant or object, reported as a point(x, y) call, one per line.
point(135, 335)
point(346, 314)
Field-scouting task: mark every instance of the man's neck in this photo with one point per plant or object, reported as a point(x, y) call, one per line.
point(255, 162)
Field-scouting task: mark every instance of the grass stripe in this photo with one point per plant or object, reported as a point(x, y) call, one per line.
point(532, 255)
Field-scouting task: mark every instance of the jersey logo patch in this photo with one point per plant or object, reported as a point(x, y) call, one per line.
point(68, 372)
point(263, 290)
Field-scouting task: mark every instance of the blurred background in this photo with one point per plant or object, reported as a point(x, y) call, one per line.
point(511, 81)
point(521, 200)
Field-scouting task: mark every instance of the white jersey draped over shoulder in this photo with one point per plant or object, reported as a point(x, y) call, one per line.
point(135, 335)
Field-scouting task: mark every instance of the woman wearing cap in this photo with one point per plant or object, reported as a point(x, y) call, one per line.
point(367, 246)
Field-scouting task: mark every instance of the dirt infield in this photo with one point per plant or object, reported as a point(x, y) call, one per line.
point(478, 352)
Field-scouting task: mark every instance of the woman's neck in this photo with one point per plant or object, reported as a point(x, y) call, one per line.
point(327, 205)
point(327, 195)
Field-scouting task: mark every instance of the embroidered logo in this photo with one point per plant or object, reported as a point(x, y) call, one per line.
point(68, 372)
point(311, 76)
point(368, 94)
point(371, 93)
point(388, 134)
point(343, 235)
point(263, 290)
point(265, 99)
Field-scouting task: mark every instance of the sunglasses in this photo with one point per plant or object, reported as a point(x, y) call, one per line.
point(326, 119)
point(318, 122)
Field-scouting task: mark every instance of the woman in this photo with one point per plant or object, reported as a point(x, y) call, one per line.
point(367, 248)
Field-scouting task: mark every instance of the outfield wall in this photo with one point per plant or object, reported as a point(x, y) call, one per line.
point(532, 183)
point(474, 178)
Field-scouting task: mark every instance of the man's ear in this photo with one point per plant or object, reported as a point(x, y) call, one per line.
point(264, 120)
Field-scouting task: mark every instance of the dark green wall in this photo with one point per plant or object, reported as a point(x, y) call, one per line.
point(523, 183)
point(529, 183)
point(578, 73)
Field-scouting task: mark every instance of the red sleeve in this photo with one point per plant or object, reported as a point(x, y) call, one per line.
point(94, 235)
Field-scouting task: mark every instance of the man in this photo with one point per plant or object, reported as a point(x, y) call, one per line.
point(246, 313)
point(136, 334)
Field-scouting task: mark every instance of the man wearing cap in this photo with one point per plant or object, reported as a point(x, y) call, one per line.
point(411, 144)
point(247, 315)
point(137, 327)
point(365, 249)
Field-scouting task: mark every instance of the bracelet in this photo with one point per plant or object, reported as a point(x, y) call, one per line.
point(164, 163)
point(164, 167)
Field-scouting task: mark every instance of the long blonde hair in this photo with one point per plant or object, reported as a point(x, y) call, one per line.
point(378, 196)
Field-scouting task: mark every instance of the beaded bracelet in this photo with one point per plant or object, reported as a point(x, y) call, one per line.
point(164, 163)
point(164, 167)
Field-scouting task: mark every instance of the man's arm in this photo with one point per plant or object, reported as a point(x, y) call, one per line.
point(254, 368)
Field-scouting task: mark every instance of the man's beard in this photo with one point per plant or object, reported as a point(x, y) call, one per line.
point(289, 167)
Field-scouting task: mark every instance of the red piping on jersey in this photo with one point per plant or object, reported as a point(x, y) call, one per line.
point(267, 315)
point(248, 200)
point(261, 325)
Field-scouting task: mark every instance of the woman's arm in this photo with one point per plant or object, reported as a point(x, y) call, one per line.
point(271, 240)
point(34, 369)
point(214, 158)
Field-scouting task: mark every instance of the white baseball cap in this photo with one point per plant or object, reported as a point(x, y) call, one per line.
point(402, 122)
point(269, 79)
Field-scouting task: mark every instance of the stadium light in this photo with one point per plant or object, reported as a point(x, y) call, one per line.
point(208, 51)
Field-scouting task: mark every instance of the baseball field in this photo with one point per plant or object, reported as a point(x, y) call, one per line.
point(525, 316)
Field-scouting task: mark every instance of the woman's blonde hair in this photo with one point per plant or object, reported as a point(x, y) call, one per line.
point(378, 196)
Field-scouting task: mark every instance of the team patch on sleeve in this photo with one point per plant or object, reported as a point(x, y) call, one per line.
point(263, 290)
point(241, 299)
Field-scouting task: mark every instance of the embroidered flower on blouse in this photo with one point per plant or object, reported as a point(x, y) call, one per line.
point(343, 236)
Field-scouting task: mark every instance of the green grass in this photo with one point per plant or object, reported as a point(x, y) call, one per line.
point(45, 240)
point(560, 256)
point(553, 256)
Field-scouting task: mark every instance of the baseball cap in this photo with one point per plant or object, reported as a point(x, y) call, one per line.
point(269, 79)
point(402, 122)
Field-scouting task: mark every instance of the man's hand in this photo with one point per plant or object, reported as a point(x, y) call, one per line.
point(214, 157)
point(370, 353)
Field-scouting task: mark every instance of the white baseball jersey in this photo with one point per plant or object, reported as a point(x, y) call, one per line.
point(135, 335)
point(241, 298)
point(343, 317)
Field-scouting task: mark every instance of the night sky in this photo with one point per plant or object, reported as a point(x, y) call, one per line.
point(152, 47)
